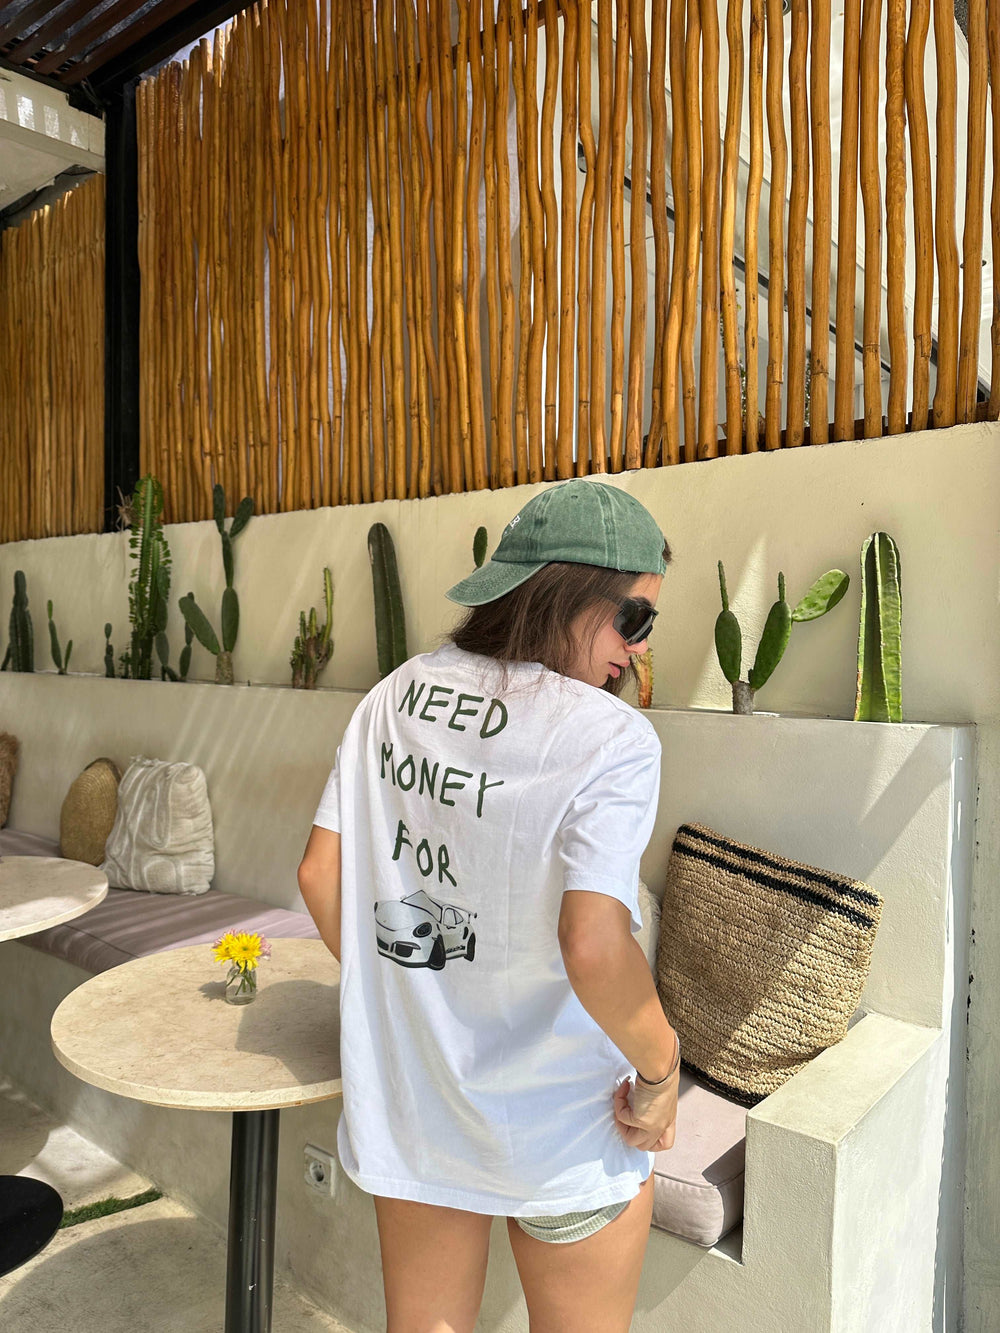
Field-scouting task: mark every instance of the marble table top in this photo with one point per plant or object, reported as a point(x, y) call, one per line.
point(37, 892)
point(158, 1029)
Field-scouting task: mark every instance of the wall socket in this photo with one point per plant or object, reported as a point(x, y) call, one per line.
point(319, 1170)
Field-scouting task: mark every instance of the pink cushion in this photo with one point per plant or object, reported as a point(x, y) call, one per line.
point(130, 923)
point(698, 1190)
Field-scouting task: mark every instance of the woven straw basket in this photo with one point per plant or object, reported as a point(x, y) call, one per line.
point(10, 749)
point(88, 812)
point(760, 962)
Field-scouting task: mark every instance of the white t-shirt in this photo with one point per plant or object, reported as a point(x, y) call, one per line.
point(473, 1077)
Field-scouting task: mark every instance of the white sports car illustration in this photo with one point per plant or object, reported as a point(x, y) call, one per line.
point(418, 931)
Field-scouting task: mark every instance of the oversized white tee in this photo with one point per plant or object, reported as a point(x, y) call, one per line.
point(473, 1076)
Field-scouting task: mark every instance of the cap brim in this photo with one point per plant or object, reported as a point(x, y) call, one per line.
point(491, 581)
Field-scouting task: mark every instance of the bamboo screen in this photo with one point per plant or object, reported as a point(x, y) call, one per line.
point(369, 272)
point(52, 369)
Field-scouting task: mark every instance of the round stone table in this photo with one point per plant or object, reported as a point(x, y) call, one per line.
point(158, 1029)
point(37, 892)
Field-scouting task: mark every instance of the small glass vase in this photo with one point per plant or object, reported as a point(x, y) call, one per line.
point(241, 985)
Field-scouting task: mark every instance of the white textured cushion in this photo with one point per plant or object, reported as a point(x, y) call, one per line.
point(649, 910)
point(162, 839)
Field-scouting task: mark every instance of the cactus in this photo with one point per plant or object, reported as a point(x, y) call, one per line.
point(61, 667)
point(644, 670)
point(824, 594)
point(313, 644)
point(196, 619)
point(20, 655)
point(390, 623)
point(479, 547)
point(109, 653)
point(879, 692)
point(149, 589)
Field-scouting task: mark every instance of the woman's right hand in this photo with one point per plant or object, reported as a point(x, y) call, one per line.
point(646, 1116)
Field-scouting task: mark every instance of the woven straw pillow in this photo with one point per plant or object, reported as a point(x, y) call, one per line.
point(162, 839)
point(760, 962)
point(88, 812)
point(10, 749)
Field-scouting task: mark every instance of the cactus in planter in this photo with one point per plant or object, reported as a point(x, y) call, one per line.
point(644, 670)
point(824, 594)
point(879, 693)
point(109, 653)
point(479, 546)
point(390, 623)
point(61, 667)
point(149, 589)
point(20, 655)
point(192, 612)
point(313, 644)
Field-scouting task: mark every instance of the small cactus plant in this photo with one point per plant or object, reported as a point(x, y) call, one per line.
point(390, 623)
point(313, 644)
point(192, 612)
point(880, 694)
point(479, 546)
point(824, 594)
point(61, 666)
point(20, 655)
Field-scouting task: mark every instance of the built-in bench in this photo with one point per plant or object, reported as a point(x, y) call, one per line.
point(852, 1190)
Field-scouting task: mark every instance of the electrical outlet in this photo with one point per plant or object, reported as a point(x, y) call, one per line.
point(319, 1170)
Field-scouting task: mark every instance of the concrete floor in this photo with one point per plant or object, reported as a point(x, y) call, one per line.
point(157, 1267)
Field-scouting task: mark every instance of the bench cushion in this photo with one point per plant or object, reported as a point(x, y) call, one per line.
point(130, 923)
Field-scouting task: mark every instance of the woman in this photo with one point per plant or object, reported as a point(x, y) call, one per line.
point(485, 816)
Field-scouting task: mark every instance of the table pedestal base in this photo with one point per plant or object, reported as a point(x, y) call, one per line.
point(30, 1213)
point(253, 1178)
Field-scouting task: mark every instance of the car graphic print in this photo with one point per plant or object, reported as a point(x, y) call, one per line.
point(419, 931)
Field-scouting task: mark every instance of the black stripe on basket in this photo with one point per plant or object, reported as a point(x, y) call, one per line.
point(783, 886)
point(739, 1095)
point(762, 858)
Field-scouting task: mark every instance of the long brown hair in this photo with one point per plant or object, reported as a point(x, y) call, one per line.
point(532, 622)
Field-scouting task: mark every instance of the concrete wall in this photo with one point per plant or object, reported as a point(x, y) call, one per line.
point(801, 511)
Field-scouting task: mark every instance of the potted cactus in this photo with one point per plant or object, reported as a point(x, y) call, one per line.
point(824, 594)
point(192, 612)
point(879, 695)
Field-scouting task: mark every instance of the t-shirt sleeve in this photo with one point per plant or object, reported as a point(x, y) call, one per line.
point(328, 814)
point(610, 820)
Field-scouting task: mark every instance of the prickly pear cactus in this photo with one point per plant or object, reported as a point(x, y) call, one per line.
point(195, 618)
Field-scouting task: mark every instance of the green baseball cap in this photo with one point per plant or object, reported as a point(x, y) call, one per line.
point(580, 521)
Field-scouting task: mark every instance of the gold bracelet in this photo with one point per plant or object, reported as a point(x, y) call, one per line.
point(673, 1067)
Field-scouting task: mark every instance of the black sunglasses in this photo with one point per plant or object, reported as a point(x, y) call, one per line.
point(634, 620)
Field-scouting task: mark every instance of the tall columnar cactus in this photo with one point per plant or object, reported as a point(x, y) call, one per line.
point(61, 666)
point(313, 644)
point(20, 655)
point(880, 693)
point(149, 589)
point(190, 609)
point(109, 652)
point(824, 594)
point(390, 623)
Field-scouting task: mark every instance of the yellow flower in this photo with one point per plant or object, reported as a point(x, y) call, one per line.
point(240, 948)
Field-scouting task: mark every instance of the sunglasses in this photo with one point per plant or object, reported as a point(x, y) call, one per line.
point(634, 620)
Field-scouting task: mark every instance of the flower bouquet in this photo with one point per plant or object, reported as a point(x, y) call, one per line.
point(243, 952)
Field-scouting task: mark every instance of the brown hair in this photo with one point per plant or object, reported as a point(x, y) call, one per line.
point(532, 622)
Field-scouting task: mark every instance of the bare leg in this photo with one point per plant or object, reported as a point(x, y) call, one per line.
point(433, 1265)
point(587, 1285)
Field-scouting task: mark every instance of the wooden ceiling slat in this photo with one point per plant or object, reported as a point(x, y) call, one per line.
point(90, 36)
point(20, 22)
point(148, 23)
point(58, 23)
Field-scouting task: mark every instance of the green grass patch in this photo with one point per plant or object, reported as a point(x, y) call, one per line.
point(105, 1207)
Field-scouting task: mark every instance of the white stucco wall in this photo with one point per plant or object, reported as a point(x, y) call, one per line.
point(802, 511)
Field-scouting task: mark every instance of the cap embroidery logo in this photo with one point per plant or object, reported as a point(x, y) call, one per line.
point(513, 522)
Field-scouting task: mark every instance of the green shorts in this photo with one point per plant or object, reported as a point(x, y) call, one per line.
point(570, 1226)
